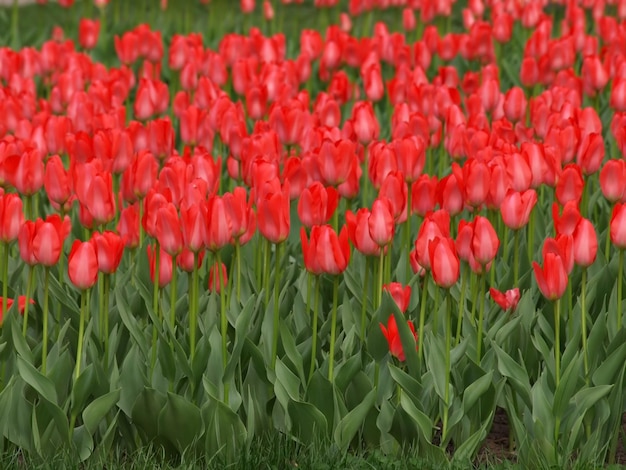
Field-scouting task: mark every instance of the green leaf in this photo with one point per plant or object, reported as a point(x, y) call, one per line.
point(287, 385)
point(146, 410)
point(407, 382)
point(351, 422)
point(19, 342)
point(567, 387)
point(612, 366)
point(82, 388)
point(130, 322)
point(308, 423)
point(435, 358)
point(320, 394)
point(515, 372)
point(180, 421)
point(423, 422)
point(83, 442)
point(588, 397)
point(346, 372)
point(242, 327)
point(98, 409)
point(132, 380)
point(409, 345)
point(224, 431)
point(466, 452)
point(475, 390)
point(42, 384)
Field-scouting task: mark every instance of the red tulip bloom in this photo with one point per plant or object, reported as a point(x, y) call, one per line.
point(242, 216)
point(58, 183)
point(381, 222)
point(359, 232)
point(612, 178)
point(566, 223)
point(11, 217)
point(591, 153)
point(41, 242)
point(215, 281)
point(273, 216)
point(434, 225)
point(562, 245)
point(21, 306)
point(325, 252)
point(424, 195)
point(168, 229)
point(185, 260)
point(193, 225)
point(165, 266)
point(219, 229)
point(394, 189)
point(570, 184)
point(552, 278)
point(485, 242)
point(401, 294)
point(618, 226)
point(444, 262)
point(128, 226)
point(392, 335)
point(585, 243)
point(109, 250)
point(317, 204)
point(88, 31)
point(82, 264)
point(365, 123)
point(25, 172)
point(516, 208)
point(506, 300)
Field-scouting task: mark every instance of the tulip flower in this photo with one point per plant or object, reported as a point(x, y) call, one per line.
point(317, 204)
point(21, 306)
point(82, 264)
point(506, 300)
point(217, 278)
point(392, 335)
point(618, 238)
point(401, 294)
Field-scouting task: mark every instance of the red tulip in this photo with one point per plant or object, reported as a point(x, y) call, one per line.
point(26, 171)
point(381, 222)
point(165, 266)
point(325, 252)
point(434, 225)
point(485, 242)
point(219, 230)
point(585, 243)
point(21, 305)
point(612, 178)
point(566, 223)
point(57, 182)
point(359, 232)
point(516, 208)
point(570, 184)
point(552, 278)
point(82, 264)
point(11, 217)
point(506, 300)
point(392, 335)
point(273, 216)
point(562, 245)
point(128, 226)
point(215, 281)
point(109, 250)
point(168, 229)
point(242, 216)
point(193, 225)
point(591, 153)
point(317, 204)
point(401, 294)
point(88, 31)
point(444, 262)
point(41, 242)
point(365, 124)
point(394, 189)
point(618, 226)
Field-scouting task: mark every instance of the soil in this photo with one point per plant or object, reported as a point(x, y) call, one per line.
point(496, 447)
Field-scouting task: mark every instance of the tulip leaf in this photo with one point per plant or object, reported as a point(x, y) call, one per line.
point(570, 377)
point(407, 382)
point(423, 422)
point(465, 453)
point(435, 359)
point(146, 410)
point(346, 372)
point(98, 409)
point(475, 390)
point(130, 322)
point(83, 442)
point(180, 421)
point(308, 423)
point(287, 385)
point(351, 422)
point(42, 384)
point(515, 372)
point(320, 394)
point(606, 372)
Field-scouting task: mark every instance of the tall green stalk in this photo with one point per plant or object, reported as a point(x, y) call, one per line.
point(333, 330)
point(29, 290)
point(620, 276)
point(557, 341)
point(459, 325)
point(277, 279)
point(105, 301)
point(364, 299)
point(314, 327)
point(446, 392)
point(481, 314)
point(173, 297)
point(81, 333)
point(155, 306)
point(223, 321)
point(422, 319)
point(5, 276)
point(515, 258)
point(44, 346)
point(193, 308)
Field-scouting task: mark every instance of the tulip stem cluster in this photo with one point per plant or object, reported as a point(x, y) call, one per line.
point(364, 299)
point(81, 332)
point(29, 289)
point(422, 319)
point(223, 322)
point(276, 304)
point(5, 275)
point(44, 345)
point(155, 305)
point(193, 308)
point(620, 276)
point(314, 327)
point(583, 323)
point(333, 329)
point(446, 392)
point(481, 314)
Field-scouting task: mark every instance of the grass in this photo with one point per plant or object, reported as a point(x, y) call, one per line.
point(275, 451)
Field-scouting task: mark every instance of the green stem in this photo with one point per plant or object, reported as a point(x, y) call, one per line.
point(407, 237)
point(107, 289)
point(29, 289)
point(620, 275)
point(223, 322)
point(557, 341)
point(15, 20)
point(276, 306)
point(5, 276)
point(422, 318)
point(333, 330)
point(607, 243)
point(446, 392)
point(515, 258)
point(44, 346)
point(173, 298)
point(531, 236)
point(481, 313)
point(266, 277)
point(315, 317)
point(155, 306)
point(81, 333)
point(364, 299)
point(101, 308)
point(193, 311)
point(461, 314)
point(238, 267)
point(379, 286)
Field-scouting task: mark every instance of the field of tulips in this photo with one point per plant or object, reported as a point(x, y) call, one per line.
point(367, 225)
